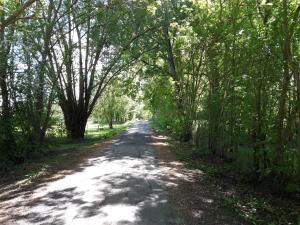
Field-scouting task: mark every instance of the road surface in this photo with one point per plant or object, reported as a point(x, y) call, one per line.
point(121, 185)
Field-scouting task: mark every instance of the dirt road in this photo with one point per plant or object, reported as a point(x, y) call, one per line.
point(122, 185)
point(132, 179)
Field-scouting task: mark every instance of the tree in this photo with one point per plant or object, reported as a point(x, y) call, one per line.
point(86, 54)
point(114, 106)
point(9, 15)
point(234, 70)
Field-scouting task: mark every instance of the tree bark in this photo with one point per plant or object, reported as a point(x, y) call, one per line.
point(110, 124)
point(75, 124)
point(8, 140)
point(296, 74)
point(186, 134)
point(287, 59)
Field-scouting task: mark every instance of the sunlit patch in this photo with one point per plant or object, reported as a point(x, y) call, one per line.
point(120, 212)
point(132, 130)
point(123, 184)
point(159, 144)
point(176, 163)
point(160, 137)
point(197, 213)
point(207, 200)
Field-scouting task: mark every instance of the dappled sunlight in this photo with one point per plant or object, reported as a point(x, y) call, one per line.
point(133, 130)
point(159, 143)
point(174, 169)
point(159, 137)
point(133, 179)
point(197, 213)
point(196, 197)
point(121, 185)
point(117, 213)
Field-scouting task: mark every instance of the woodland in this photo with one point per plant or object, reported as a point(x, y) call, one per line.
point(221, 75)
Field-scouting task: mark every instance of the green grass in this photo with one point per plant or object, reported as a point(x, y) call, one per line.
point(92, 136)
point(58, 152)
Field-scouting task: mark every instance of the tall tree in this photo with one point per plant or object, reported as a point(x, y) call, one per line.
point(10, 13)
point(87, 53)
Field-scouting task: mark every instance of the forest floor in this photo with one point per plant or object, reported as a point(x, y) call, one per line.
point(255, 202)
point(133, 178)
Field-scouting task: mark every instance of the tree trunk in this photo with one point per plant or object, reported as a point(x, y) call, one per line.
point(8, 140)
point(284, 89)
point(257, 129)
point(296, 73)
point(214, 107)
point(186, 134)
point(110, 124)
point(281, 116)
point(75, 124)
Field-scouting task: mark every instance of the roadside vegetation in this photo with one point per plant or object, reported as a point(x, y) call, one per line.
point(226, 79)
point(255, 201)
point(58, 154)
point(221, 76)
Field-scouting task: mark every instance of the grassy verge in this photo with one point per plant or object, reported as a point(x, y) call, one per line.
point(250, 200)
point(58, 151)
point(92, 136)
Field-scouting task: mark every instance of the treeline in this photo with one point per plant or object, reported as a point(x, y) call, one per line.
point(229, 81)
point(116, 107)
point(58, 52)
point(223, 74)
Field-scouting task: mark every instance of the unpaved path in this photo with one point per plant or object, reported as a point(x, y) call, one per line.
point(131, 180)
point(122, 185)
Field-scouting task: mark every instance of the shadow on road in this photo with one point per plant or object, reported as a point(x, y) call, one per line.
point(122, 182)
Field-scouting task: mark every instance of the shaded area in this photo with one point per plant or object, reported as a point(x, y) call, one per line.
point(197, 197)
point(133, 179)
point(122, 184)
point(56, 150)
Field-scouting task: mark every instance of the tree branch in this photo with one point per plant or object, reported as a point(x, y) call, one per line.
point(15, 16)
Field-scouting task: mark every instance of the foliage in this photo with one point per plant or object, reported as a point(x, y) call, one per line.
point(251, 201)
point(58, 53)
point(226, 77)
point(58, 153)
point(114, 107)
